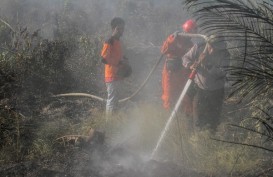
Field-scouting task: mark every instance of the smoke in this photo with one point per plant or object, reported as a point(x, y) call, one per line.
point(144, 19)
point(148, 23)
point(131, 135)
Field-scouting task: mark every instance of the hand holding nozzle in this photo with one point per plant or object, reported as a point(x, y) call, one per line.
point(203, 54)
point(194, 65)
point(201, 57)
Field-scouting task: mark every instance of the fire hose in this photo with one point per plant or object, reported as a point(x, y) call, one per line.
point(120, 101)
point(139, 88)
point(181, 97)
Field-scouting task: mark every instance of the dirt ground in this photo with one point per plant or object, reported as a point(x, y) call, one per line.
point(96, 161)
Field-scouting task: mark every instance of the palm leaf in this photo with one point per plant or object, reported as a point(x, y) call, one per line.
point(249, 24)
point(248, 27)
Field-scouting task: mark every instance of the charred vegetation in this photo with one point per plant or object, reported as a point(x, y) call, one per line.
point(50, 49)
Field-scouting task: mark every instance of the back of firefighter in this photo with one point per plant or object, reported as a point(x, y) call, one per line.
point(174, 75)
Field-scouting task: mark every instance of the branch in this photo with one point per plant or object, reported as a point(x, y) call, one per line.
point(243, 144)
point(249, 129)
point(8, 25)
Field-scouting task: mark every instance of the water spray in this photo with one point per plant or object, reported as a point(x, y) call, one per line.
point(178, 103)
point(182, 95)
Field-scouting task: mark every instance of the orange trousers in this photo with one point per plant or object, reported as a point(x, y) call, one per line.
point(173, 83)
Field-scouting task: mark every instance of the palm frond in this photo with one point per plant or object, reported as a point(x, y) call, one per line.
point(269, 137)
point(244, 144)
point(249, 24)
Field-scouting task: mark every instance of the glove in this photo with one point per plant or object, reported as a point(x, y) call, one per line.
point(125, 58)
point(124, 70)
point(103, 61)
point(194, 66)
point(175, 34)
point(121, 62)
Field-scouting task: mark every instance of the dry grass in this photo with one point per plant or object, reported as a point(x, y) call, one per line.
point(139, 130)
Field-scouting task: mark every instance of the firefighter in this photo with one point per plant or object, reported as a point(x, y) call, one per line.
point(116, 65)
point(209, 81)
point(174, 75)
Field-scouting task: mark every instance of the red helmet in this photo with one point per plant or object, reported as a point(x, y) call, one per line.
point(189, 25)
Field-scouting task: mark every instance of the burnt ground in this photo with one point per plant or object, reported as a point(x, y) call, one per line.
point(96, 161)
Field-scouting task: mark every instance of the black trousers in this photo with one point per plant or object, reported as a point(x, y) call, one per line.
point(207, 108)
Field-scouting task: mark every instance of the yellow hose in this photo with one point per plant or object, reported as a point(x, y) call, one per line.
point(140, 87)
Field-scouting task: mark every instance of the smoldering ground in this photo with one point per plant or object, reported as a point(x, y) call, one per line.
point(127, 149)
point(71, 33)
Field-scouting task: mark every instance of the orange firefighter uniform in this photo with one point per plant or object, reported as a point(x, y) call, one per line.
point(112, 55)
point(174, 75)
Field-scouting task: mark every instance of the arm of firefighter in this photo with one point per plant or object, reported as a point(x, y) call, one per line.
point(189, 58)
point(106, 54)
point(218, 71)
point(169, 44)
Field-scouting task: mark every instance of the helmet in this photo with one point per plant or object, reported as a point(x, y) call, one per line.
point(189, 25)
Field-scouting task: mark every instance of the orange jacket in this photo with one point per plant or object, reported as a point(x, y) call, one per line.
point(112, 55)
point(173, 82)
point(176, 46)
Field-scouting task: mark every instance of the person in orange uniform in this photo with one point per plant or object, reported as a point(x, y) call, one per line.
point(174, 75)
point(112, 57)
